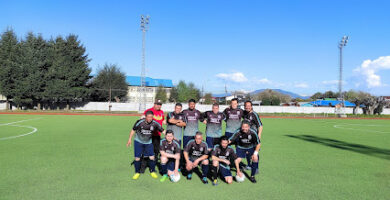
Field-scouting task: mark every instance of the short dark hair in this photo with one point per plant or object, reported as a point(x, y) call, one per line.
point(234, 99)
point(198, 133)
point(191, 100)
point(223, 138)
point(248, 101)
point(169, 132)
point(215, 104)
point(245, 122)
point(149, 112)
point(178, 104)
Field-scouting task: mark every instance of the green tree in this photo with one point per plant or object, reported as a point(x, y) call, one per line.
point(69, 73)
point(9, 51)
point(173, 97)
point(35, 65)
point(109, 84)
point(161, 94)
point(208, 98)
point(317, 95)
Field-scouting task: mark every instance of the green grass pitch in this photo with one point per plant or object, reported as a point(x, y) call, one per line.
point(85, 157)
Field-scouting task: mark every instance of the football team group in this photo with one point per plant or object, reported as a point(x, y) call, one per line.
point(243, 131)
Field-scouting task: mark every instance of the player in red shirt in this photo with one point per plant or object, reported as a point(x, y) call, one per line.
point(160, 118)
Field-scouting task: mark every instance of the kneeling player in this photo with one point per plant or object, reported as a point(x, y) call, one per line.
point(221, 156)
point(196, 153)
point(247, 145)
point(170, 156)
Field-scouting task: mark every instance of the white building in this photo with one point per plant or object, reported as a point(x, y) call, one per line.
point(134, 83)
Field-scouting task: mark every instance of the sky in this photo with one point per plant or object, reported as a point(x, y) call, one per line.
point(245, 45)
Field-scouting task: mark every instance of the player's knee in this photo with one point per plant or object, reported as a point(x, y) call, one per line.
point(151, 157)
point(163, 159)
point(229, 180)
point(137, 159)
point(215, 163)
point(256, 159)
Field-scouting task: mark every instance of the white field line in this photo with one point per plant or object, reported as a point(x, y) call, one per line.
point(6, 124)
point(22, 126)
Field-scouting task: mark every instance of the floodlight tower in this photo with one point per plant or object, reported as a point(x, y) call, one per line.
point(342, 44)
point(142, 92)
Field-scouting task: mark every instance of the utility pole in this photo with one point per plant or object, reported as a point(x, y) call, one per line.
point(142, 92)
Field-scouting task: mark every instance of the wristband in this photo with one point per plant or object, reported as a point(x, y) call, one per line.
point(256, 153)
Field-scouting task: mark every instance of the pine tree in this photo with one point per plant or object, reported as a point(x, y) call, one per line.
point(9, 50)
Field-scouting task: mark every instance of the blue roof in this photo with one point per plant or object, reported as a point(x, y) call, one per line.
point(222, 95)
point(150, 82)
point(332, 102)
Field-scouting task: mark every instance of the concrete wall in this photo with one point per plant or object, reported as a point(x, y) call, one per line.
point(104, 106)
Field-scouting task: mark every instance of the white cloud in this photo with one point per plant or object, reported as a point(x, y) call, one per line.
point(235, 77)
point(263, 81)
point(301, 85)
point(370, 68)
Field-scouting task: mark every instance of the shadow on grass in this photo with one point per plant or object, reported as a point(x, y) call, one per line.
point(358, 148)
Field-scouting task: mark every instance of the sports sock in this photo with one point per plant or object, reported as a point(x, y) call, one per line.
point(137, 165)
point(255, 165)
point(152, 165)
point(214, 172)
point(205, 170)
point(163, 168)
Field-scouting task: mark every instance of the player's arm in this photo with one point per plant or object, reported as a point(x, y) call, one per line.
point(135, 127)
point(204, 118)
point(130, 138)
point(237, 164)
point(233, 137)
point(259, 131)
point(171, 119)
point(220, 160)
point(177, 161)
point(259, 124)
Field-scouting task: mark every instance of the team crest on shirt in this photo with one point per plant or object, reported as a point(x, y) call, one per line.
point(227, 154)
point(196, 114)
point(201, 149)
point(249, 137)
point(173, 148)
point(219, 116)
point(151, 128)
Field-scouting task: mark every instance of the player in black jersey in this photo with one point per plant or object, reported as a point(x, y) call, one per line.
point(223, 156)
point(195, 154)
point(170, 156)
point(247, 145)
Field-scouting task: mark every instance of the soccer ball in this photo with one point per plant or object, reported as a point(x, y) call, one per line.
point(175, 177)
point(240, 179)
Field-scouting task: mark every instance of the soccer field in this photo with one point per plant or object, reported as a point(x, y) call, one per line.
point(85, 157)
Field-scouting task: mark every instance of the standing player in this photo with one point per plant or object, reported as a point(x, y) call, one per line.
point(196, 153)
point(158, 116)
point(144, 129)
point(193, 116)
point(253, 118)
point(233, 118)
point(170, 156)
point(222, 157)
point(176, 121)
point(247, 145)
point(213, 120)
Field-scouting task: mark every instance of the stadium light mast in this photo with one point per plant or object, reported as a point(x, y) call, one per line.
point(342, 44)
point(142, 92)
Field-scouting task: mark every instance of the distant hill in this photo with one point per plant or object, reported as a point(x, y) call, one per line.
point(291, 94)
